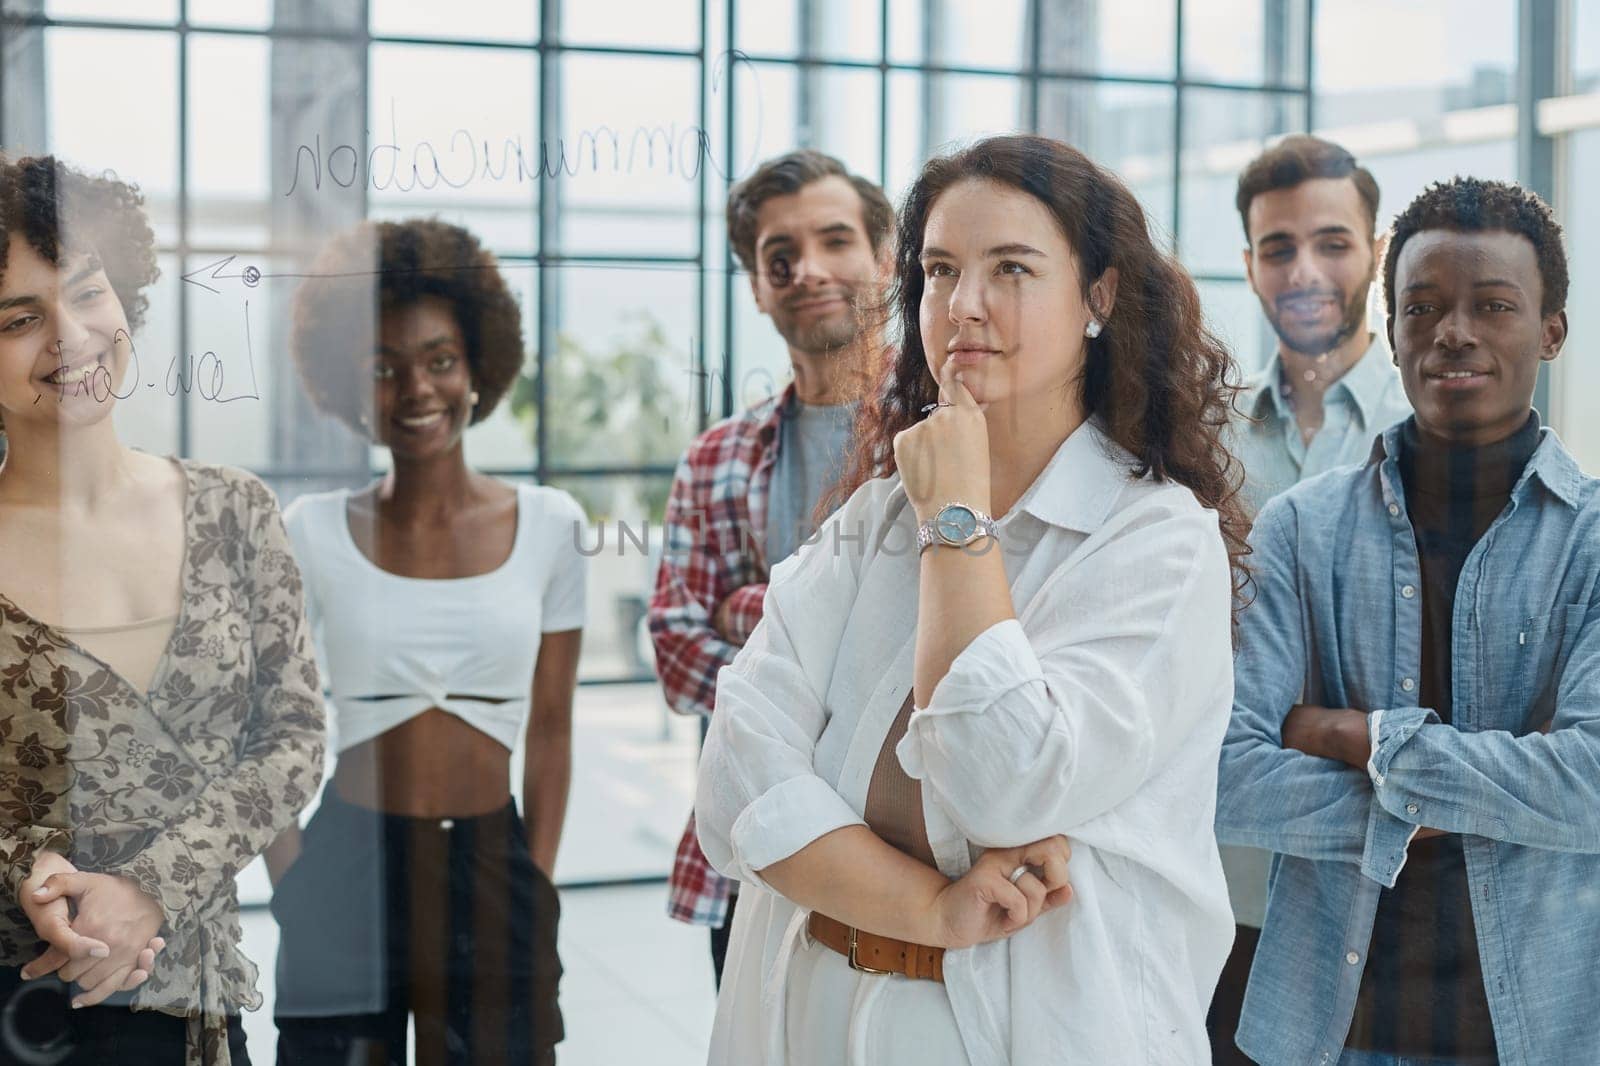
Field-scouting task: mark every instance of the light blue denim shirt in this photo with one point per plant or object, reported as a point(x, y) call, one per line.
point(1265, 437)
point(1336, 620)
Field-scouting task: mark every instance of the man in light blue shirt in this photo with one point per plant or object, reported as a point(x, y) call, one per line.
point(1458, 571)
point(1310, 213)
point(1355, 408)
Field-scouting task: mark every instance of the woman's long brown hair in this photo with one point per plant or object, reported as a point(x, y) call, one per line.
point(1160, 382)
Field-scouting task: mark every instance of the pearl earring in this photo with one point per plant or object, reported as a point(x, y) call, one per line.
point(1092, 330)
point(472, 398)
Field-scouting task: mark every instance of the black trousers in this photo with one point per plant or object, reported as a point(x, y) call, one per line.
point(1227, 1004)
point(719, 942)
point(445, 921)
point(38, 1027)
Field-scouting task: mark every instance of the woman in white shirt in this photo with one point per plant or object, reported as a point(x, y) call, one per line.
point(911, 731)
point(447, 608)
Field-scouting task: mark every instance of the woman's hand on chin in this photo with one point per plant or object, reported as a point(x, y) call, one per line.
point(1004, 892)
point(945, 457)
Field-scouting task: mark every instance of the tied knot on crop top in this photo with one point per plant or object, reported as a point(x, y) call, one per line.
point(392, 647)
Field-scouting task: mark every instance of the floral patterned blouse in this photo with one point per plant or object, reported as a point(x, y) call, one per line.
point(180, 787)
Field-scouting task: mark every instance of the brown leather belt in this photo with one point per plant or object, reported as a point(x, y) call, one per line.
point(871, 953)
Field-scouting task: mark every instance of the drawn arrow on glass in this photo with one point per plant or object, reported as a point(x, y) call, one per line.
point(249, 275)
point(252, 276)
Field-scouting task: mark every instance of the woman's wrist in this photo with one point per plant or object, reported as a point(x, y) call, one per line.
point(932, 929)
point(45, 863)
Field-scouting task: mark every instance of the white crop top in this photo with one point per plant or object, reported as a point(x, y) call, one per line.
point(390, 647)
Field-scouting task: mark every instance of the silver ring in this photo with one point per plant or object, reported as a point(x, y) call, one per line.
point(1016, 875)
point(936, 404)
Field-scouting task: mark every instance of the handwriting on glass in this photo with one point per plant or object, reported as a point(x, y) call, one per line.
point(469, 157)
point(204, 375)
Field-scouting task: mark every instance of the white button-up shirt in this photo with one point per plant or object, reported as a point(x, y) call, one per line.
point(1098, 713)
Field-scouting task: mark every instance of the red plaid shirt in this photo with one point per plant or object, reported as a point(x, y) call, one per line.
point(715, 533)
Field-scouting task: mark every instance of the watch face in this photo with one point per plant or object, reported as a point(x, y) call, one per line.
point(956, 524)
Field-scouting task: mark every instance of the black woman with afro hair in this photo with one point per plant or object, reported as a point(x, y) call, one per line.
point(447, 608)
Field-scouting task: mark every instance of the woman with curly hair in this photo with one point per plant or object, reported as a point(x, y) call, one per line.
point(159, 719)
point(966, 766)
point(447, 608)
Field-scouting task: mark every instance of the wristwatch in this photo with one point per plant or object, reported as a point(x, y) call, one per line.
point(955, 525)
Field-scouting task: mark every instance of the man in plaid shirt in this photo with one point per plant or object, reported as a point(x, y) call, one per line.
point(816, 242)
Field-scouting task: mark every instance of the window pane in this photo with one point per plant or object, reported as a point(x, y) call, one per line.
point(630, 804)
point(835, 29)
point(317, 122)
point(831, 109)
point(1576, 380)
point(1125, 127)
point(227, 374)
point(620, 386)
point(760, 358)
point(994, 34)
point(1130, 37)
point(1433, 57)
point(1402, 173)
point(628, 155)
point(100, 117)
point(240, 14)
point(1255, 41)
point(623, 541)
point(148, 418)
point(1234, 314)
point(464, 130)
point(1432, 96)
point(1222, 132)
point(119, 10)
point(505, 440)
point(938, 112)
point(642, 23)
point(228, 141)
point(1585, 33)
point(485, 20)
point(24, 96)
point(330, 15)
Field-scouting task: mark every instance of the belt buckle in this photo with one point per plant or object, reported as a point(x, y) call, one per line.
point(857, 965)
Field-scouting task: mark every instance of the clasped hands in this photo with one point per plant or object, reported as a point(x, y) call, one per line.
point(985, 904)
point(101, 929)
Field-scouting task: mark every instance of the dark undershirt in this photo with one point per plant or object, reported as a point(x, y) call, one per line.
point(1422, 990)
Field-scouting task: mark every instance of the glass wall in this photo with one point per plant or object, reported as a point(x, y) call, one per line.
point(1570, 118)
point(591, 147)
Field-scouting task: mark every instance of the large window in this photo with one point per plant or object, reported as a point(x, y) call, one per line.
point(591, 144)
point(591, 147)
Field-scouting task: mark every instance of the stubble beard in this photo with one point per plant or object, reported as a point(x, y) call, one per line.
point(830, 334)
point(1353, 321)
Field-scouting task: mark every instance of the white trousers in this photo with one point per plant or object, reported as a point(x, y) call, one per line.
point(840, 1017)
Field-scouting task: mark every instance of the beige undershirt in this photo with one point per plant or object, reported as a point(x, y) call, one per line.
point(133, 649)
point(894, 800)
